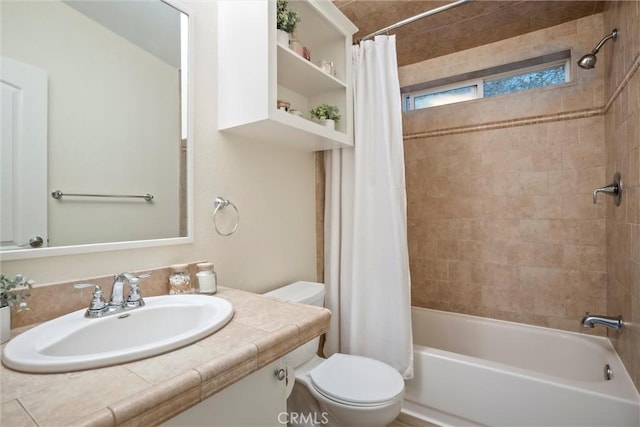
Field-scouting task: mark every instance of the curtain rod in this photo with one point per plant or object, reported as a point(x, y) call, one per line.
point(416, 17)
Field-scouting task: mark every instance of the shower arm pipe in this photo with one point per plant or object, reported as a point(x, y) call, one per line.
point(416, 18)
point(613, 35)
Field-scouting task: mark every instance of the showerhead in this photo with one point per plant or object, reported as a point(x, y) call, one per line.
point(588, 61)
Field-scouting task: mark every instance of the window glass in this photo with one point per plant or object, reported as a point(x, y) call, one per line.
point(531, 80)
point(445, 97)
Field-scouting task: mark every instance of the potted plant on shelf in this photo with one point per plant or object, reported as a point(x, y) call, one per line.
point(287, 20)
point(329, 115)
point(13, 291)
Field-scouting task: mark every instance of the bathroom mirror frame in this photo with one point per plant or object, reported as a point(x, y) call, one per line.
point(20, 254)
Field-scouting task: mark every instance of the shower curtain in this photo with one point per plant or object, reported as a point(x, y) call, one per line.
point(366, 254)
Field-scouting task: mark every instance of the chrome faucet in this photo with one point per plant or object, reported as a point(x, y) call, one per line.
point(590, 321)
point(99, 308)
point(117, 290)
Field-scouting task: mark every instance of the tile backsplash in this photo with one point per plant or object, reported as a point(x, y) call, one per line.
point(56, 299)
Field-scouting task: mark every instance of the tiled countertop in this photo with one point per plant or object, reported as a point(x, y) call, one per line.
point(150, 391)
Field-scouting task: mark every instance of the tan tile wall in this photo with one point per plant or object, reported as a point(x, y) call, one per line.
point(501, 222)
point(622, 135)
point(501, 219)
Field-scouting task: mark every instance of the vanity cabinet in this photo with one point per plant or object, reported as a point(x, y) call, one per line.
point(259, 399)
point(255, 71)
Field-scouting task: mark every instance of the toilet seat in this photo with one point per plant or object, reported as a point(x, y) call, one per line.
point(356, 380)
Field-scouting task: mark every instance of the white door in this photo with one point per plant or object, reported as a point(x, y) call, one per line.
point(23, 154)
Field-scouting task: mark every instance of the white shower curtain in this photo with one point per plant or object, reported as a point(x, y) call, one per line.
point(366, 254)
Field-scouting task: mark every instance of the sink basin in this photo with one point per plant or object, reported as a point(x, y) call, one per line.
point(73, 342)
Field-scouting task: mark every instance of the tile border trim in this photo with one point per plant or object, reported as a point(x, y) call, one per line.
point(533, 120)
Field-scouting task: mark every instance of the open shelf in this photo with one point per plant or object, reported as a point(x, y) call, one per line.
point(288, 129)
point(303, 76)
point(255, 71)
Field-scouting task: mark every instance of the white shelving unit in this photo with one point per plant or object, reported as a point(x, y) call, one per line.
point(255, 72)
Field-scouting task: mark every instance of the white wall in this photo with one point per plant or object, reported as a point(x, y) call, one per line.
point(272, 186)
point(100, 114)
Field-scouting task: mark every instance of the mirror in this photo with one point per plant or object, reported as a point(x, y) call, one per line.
point(94, 118)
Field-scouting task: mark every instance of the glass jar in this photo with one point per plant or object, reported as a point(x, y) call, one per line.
point(179, 280)
point(328, 67)
point(207, 280)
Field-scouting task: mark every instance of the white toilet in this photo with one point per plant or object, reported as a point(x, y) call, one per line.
point(343, 390)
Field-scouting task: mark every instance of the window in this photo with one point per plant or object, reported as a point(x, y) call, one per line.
point(442, 95)
point(490, 82)
point(553, 75)
point(448, 96)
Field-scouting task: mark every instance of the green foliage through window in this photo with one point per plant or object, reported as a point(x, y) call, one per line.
point(520, 82)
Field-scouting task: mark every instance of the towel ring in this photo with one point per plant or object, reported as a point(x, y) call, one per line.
point(221, 203)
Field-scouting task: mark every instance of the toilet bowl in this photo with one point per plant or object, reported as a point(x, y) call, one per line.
point(343, 390)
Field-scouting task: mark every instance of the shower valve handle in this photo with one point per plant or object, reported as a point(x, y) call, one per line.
point(614, 189)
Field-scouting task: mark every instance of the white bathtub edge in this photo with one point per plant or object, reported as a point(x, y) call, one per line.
point(434, 416)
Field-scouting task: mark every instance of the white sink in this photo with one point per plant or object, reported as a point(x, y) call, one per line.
point(73, 342)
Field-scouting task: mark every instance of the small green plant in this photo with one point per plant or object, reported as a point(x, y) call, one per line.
point(287, 19)
point(14, 291)
point(325, 112)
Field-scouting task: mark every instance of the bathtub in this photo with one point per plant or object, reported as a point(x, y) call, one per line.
point(474, 371)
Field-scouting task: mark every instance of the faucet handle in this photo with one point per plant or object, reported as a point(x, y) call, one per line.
point(97, 305)
point(135, 299)
point(142, 275)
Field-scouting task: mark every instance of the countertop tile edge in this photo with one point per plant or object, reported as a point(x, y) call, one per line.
point(228, 369)
point(277, 344)
point(311, 328)
point(179, 392)
point(101, 418)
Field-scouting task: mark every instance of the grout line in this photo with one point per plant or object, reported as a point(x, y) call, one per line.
point(28, 413)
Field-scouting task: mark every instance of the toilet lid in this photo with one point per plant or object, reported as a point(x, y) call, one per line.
point(356, 379)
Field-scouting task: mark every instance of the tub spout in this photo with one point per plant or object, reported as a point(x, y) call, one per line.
point(590, 321)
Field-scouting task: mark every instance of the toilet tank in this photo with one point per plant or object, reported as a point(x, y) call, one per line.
point(310, 293)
